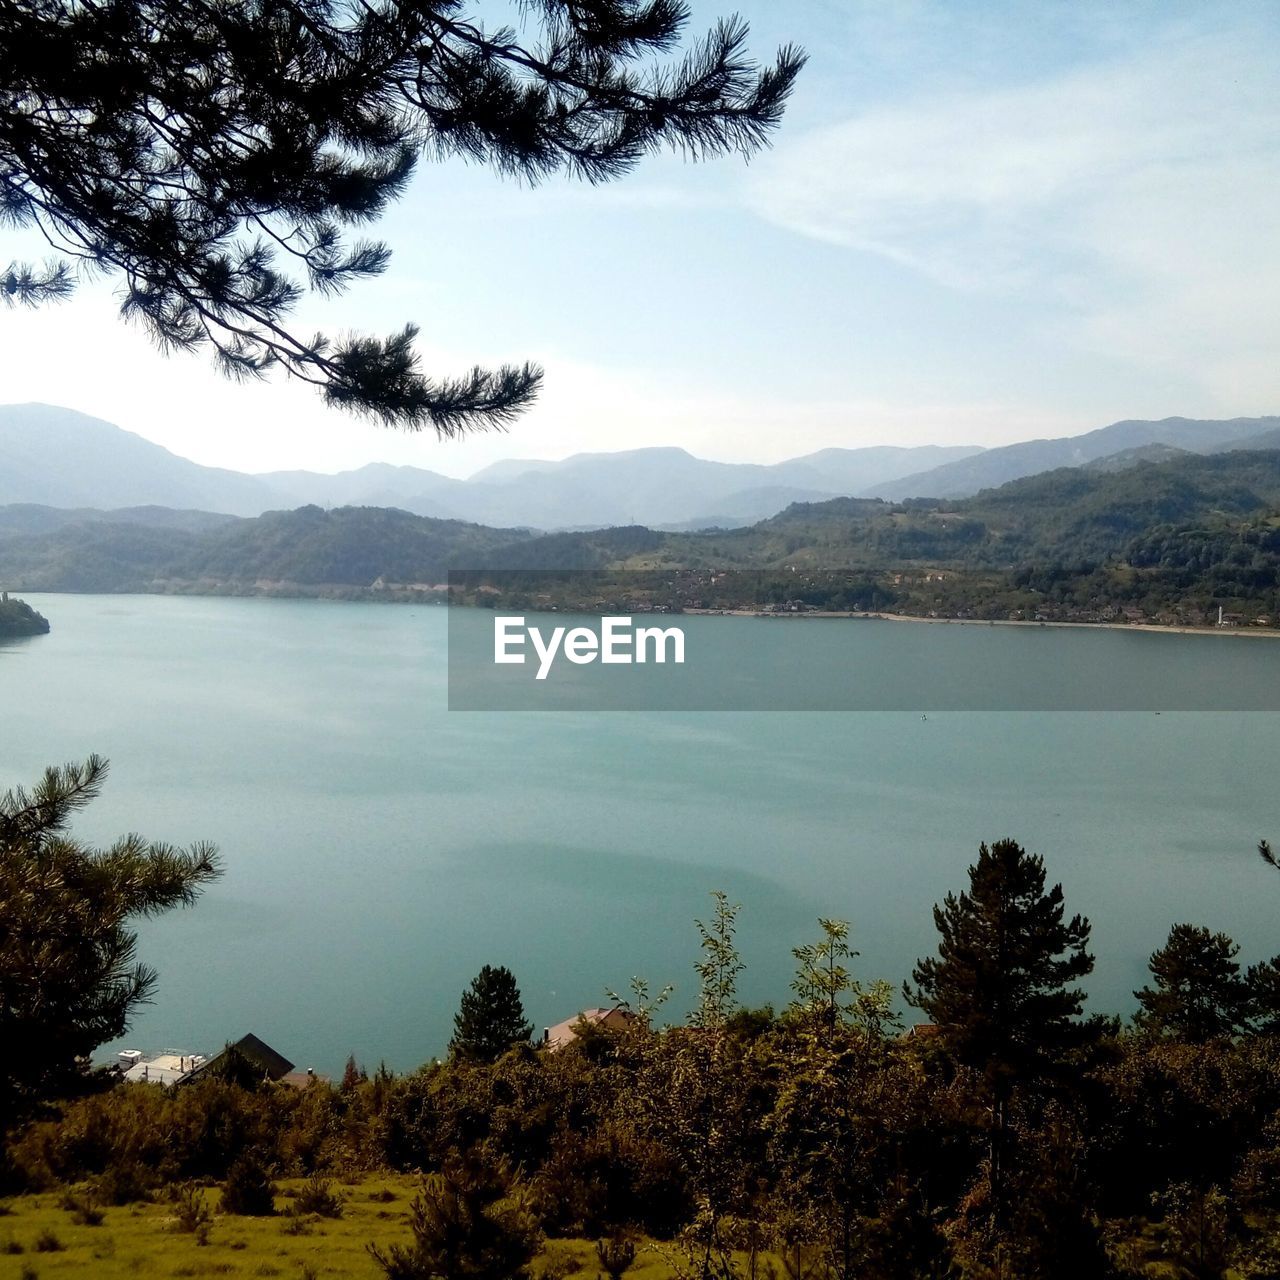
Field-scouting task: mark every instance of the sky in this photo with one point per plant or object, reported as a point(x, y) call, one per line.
point(979, 223)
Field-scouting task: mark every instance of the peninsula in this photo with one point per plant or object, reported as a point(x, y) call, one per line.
point(18, 618)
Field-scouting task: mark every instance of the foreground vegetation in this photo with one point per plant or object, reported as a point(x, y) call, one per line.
point(763, 1146)
point(1011, 1134)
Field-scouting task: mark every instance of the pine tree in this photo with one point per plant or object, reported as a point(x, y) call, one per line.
point(1000, 989)
point(187, 148)
point(467, 1224)
point(352, 1075)
point(1264, 996)
point(68, 977)
point(1198, 993)
point(490, 1017)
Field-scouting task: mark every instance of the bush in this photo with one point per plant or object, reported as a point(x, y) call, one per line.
point(124, 1183)
point(554, 1264)
point(193, 1214)
point(466, 1221)
point(134, 1138)
point(83, 1208)
point(47, 1242)
point(316, 1197)
point(616, 1254)
point(248, 1190)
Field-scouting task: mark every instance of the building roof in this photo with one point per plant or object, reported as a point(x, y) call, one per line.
point(302, 1079)
point(923, 1031)
point(256, 1052)
point(566, 1032)
point(164, 1068)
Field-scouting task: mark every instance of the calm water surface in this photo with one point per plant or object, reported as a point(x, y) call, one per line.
point(379, 849)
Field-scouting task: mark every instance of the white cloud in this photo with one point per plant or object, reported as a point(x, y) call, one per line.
point(1139, 199)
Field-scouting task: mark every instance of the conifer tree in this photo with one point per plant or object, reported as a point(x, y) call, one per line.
point(69, 980)
point(468, 1223)
point(1198, 992)
point(352, 1075)
point(188, 147)
point(1263, 981)
point(1000, 989)
point(490, 1017)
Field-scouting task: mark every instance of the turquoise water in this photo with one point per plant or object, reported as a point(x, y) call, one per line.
point(379, 849)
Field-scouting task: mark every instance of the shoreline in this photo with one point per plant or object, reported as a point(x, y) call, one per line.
point(343, 594)
point(1180, 629)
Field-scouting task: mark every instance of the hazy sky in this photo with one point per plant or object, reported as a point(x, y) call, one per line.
point(980, 222)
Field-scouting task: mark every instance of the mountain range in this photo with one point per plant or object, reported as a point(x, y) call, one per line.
point(964, 477)
point(1190, 513)
point(58, 458)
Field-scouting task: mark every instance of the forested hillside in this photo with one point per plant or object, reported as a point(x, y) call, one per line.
point(1172, 540)
point(17, 618)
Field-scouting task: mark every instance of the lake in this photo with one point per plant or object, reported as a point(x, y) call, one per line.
point(380, 849)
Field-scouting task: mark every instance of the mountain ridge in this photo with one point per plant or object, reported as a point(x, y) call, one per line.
point(1069, 521)
point(61, 458)
point(993, 467)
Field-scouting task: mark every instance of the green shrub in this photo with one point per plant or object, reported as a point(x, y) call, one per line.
point(616, 1254)
point(248, 1190)
point(316, 1197)
point(124, 1183)
point(83, 1208)
point(466, 1222)
point(192, 1213)
point(48, 1242)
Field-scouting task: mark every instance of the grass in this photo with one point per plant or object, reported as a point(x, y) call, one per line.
point(143, 1242)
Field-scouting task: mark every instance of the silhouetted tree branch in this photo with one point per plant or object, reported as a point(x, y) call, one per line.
point(191, 147)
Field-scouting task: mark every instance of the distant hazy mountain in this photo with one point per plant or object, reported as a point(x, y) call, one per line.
point(638, 486)
point(671, 487)
point(1267, 440)
point(30, 519)
point(1127, 458)
point(832, 471)
point(747, 507)
point(60, 458)
point(854, 471)
point(377, 485)
point(995, 467)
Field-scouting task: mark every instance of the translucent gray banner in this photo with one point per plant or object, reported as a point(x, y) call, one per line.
point(754, 640)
